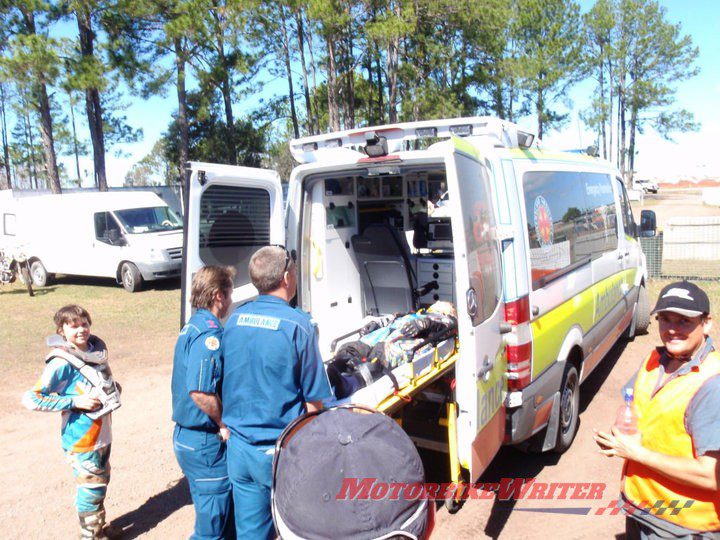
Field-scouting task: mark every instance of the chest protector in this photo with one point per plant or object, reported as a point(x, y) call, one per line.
point(94, 368)
point(661, 422)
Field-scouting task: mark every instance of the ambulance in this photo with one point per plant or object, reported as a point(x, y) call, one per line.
point(537, 250)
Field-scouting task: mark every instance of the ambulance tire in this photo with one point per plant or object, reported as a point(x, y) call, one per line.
point(568, 419)
point(642, 312)
point(131, 277)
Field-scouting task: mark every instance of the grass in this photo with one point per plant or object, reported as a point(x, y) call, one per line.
point(131, 324)
point(137, 327)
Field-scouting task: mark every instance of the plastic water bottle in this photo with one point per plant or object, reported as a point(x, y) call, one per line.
point(626, 420)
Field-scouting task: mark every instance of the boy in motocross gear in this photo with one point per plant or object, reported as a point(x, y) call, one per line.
point(85, 402)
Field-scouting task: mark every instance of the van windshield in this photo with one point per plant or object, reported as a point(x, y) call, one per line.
point(153, 219)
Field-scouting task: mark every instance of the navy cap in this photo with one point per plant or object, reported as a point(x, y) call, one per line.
point(324, 478)
point(684, 298)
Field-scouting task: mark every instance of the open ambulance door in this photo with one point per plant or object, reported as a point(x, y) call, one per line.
point(480, 370)
point(230, 212)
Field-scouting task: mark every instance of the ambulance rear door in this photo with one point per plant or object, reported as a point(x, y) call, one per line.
point(230, 212)
point(480, 382)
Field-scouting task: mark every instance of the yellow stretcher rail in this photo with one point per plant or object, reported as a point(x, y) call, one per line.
point(402, 396)
point(405, 394)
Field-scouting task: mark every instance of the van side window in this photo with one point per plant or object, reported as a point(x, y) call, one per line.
point(482, 250)
point(104, 224)
point(626, 209)
point(234, 222)
point(571, 221)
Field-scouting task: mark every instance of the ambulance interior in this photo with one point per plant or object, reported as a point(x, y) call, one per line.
point(387, 247)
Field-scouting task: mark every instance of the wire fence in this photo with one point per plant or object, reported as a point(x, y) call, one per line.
point(688, 247)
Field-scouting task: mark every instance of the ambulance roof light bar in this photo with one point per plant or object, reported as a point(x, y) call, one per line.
point(506, 134)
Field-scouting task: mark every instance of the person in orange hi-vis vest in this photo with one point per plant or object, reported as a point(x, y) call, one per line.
point(671, 475)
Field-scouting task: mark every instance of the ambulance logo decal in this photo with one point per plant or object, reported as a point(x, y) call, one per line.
point(543, 222)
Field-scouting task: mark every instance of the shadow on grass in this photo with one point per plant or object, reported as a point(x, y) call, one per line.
point(36, 292)
point(159, 285)
point(157, 508)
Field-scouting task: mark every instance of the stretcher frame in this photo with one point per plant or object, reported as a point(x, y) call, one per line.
point(401, 397)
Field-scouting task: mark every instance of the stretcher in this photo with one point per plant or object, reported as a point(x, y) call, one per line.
point(393, 391)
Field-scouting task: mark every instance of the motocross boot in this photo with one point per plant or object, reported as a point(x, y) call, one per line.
point(91, 525)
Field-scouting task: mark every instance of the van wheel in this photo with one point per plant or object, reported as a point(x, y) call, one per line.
point(131, 277)
point(39, 274)
point(569, 409)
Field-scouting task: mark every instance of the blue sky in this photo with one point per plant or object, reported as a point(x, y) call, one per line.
point(692, 154)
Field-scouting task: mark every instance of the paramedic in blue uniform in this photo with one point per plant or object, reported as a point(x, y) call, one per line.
point(199, 436)
point(273, 373)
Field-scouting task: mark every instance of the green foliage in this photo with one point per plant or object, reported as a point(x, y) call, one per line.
point(209, 135)
point(638, 58)
point(152, 170)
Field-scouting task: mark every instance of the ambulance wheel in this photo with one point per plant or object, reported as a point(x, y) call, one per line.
point(39, 274)
point(131, 277)
point(642, 312)
point(569, 409)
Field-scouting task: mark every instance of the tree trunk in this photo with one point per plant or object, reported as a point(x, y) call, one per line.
point(48, 142)
point(41, 103)
point(541, 116)
point(631, 147)
point(6, 146)
point(602, 105)
point(288, 71)
point(392, 79)
point(611, 103)
point(349, 74)
point(622, 135)
point(316, 114)
point(92, 102)
point(333, 110)
point(30, 141)
point(76, 151)
point(310, 125)
point(225, 89)
point(182, 119)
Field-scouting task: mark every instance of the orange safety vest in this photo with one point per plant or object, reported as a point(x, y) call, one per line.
point(661, 423)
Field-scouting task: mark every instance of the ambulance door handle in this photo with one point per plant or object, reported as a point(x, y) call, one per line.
point(486, 368)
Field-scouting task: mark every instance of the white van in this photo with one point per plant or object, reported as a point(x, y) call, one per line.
point(537, 250)
point(130, 236)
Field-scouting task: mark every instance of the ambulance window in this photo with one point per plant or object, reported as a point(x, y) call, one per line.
point(234, 223)
point(626, 209)
point(571, 221)
point(482, 250)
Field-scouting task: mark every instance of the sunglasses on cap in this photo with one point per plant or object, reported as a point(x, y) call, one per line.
point(288, 256)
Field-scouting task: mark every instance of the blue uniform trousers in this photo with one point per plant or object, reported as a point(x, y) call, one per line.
point(250, 470)
point(201, 456)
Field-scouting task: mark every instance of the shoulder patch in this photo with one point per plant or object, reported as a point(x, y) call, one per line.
point(212, 343)
point(258, 321)
point(211, 324)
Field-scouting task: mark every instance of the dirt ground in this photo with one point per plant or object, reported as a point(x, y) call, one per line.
point(148, 497)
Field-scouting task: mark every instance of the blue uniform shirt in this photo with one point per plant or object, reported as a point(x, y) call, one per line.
point(272, 367)
point(197, 367)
